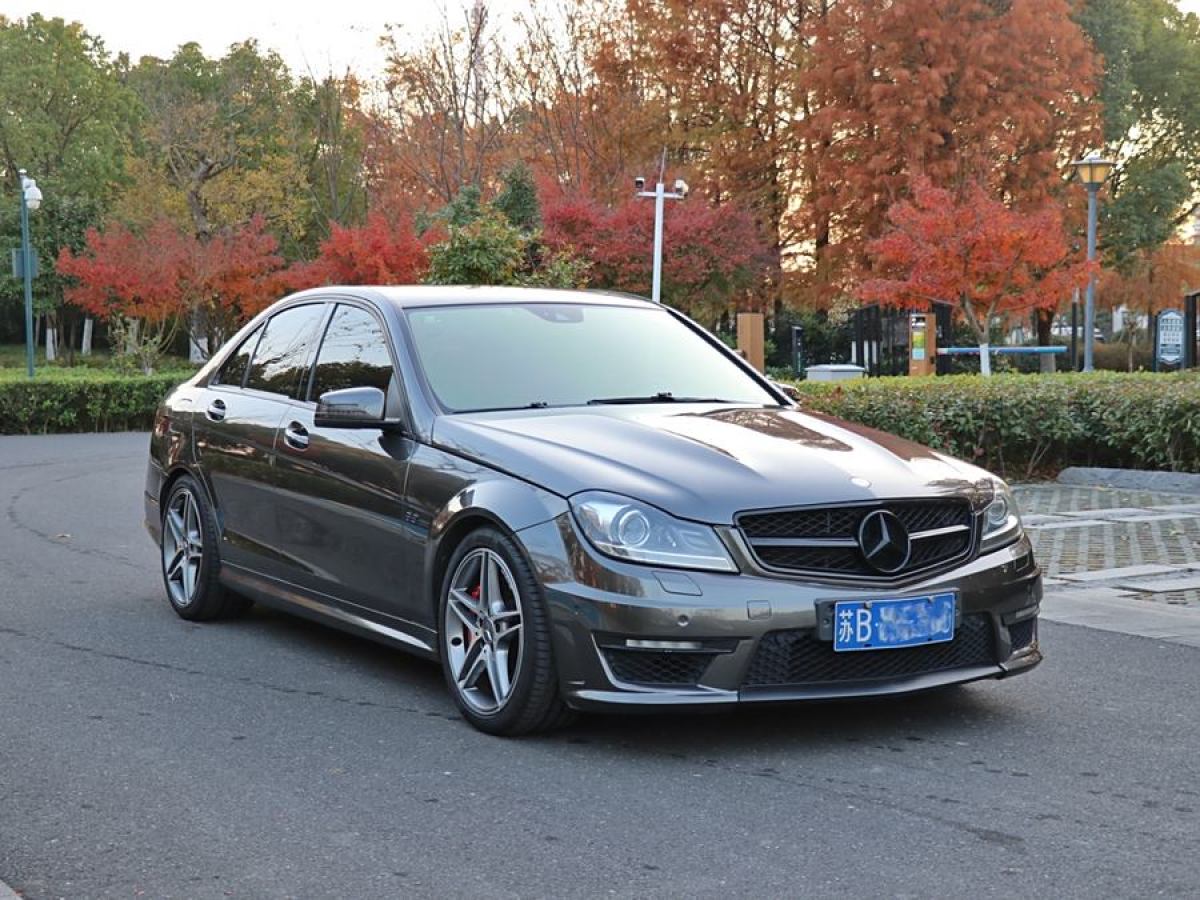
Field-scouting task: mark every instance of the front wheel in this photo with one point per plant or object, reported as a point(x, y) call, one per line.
point(495, 639)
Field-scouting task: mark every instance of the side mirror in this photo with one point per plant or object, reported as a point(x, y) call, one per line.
point(788, 390)
point(357, 407)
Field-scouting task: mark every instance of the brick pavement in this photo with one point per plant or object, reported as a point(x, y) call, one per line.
point(1118, 559)
point(1144, 544)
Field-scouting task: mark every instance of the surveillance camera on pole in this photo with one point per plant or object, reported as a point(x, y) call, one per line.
point(31, 199)
point(658, 195)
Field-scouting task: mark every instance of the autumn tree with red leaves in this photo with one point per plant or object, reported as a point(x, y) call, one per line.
point(956, 91)
point(712, 256)
point(146, 284)
point(972, 251)
point(234, 274)
point(119, 279)
point(379, 252)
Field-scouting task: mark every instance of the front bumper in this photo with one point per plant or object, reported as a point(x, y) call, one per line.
point(716, 638)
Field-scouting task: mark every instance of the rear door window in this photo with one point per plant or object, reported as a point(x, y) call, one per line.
point(282, 356)
point(233, 370)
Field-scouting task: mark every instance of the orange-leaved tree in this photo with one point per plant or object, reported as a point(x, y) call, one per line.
point(132, 282)
point(973, 251)
point(233, 275)
point(147, 283)
point(378, 252)
point(1153, 280)
point(952, 90)
point(713, 257)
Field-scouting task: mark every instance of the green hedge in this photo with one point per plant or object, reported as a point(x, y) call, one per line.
point(1016, 425)
point(59, 400)
point(1022, 425)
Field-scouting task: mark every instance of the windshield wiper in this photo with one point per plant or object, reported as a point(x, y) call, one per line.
point(536, 404)
point(660, 397)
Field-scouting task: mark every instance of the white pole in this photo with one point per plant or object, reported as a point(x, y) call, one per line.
point(656, 288)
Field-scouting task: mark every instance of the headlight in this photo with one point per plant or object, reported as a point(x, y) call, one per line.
point(1001, 521)
point(627, 529)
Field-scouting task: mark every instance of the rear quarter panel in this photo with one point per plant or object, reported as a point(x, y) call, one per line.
point(170, 450)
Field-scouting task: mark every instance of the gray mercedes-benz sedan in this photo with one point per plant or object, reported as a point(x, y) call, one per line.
point(576, 501)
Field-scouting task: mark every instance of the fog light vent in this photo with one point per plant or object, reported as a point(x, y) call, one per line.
point(651, 667)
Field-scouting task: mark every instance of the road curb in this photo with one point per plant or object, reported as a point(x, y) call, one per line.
point(1109, 609)
point(1134, 479)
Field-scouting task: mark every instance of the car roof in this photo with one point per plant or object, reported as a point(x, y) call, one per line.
point(409, 296)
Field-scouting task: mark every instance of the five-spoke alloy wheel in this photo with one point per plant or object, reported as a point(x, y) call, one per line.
point(182, 547)
point(483, 625)
point(495, 638)
point(189, 556)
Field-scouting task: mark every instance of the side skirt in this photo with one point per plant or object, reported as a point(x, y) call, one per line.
point(288, 598)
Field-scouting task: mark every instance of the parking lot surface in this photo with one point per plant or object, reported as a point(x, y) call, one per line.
point(141, 755)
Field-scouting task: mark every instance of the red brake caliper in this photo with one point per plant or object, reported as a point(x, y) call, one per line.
point(474, 594)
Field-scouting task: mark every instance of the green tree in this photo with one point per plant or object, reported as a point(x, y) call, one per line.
point(1150, 92)
point(557, 269)
point(223, 133)
point(518, 199)
point(66, 114)
point(66, 119)
point(332, 144)
point(487, 250)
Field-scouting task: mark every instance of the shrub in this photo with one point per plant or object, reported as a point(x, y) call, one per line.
point(72, 400)
point(1115, 356)
point(1021, 425)
point(486, 250)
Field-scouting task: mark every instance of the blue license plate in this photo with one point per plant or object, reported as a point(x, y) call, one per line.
point(885, 624)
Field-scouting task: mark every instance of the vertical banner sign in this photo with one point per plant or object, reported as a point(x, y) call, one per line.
point(918, 338)
point(1168, 350)
point(18, 264)
point(922, 344)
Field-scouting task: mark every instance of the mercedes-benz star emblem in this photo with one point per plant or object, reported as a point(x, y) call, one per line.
point(884, 542)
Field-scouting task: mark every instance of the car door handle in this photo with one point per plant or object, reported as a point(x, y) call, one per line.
point(296, 436)
point(216, 410)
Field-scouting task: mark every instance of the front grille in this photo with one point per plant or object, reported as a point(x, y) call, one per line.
point(795, 657)
point(823, 541)
point(657, 667)
point(1022, 634)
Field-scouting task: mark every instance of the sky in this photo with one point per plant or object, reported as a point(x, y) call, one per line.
point(318, 37)
point(313, 37)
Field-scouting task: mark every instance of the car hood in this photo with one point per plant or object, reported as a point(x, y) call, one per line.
point(703, 462)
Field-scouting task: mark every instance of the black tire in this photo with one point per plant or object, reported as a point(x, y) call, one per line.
point(534, 704)
point(207, 598)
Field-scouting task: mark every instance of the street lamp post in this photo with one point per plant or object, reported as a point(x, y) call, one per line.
point(659, 194)
point(31, 199)
point(1093, 171)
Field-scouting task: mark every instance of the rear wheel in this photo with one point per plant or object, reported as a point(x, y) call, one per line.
point(495, 639)
point(189, 556)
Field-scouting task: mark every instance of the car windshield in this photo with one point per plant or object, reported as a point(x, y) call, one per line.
point(530, 355)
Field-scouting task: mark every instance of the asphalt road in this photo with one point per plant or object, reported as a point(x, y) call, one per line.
point(144, 756)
